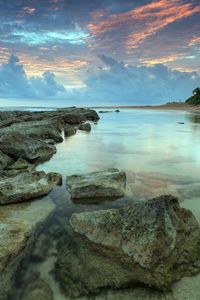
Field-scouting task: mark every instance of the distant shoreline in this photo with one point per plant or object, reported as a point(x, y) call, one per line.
point(170, 106)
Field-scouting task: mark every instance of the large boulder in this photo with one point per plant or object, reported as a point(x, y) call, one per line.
point(97, 186)
point(20, 225)
point(154, 242)
point(18, 145)
point(26, 186)
point(69, 130)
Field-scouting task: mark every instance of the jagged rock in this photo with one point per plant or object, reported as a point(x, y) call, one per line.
point(5, 160)
point(69, 130)
point(85, 127)
point(26, 186)
point(18, 145)
point(154, 242)
point(19, 225)
point(97, 186)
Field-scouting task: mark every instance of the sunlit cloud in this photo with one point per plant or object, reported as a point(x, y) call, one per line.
point(162, 59)
point(194, 41)
point(136, 25)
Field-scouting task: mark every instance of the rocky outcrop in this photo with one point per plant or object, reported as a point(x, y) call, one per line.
point(153, 242)
point(19, 225)
point(97, 186)
point(85, 127)
point(18, 145)
point(26, 186)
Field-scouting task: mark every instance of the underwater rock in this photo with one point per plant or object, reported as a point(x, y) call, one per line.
point(37, 290)
point(97, 186)
point(152, 242)
point(19, 226)
point(27, 185)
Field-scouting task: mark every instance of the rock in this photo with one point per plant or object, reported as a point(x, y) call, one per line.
point(26, 186)
point(117, 110)
point(54, 179)
point(69, 130)
point(105, 111)
point(97, 186)
point(42, 129)
point(21, 165)
point(72, 118)
point(5, 160)
point(153, 242)
point(18, 145)
point(37, 290)
point(19, 226)
point(85, 127)
point(90, 115)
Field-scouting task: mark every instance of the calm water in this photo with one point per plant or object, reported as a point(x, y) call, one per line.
point(134, 140)
point(159, 156)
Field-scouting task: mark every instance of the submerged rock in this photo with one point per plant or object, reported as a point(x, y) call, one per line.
point(26, 186)
point(154, 242)
point(37, 290)
point(19, 226)
point(18, 145)
point(97, 186)
point(85, 127)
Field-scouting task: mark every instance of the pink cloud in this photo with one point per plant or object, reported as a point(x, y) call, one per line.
point(142, 22)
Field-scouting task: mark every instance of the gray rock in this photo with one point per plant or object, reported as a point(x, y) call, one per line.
point(97, 186)
point(154, 242)
point(85, 127)
point(26, 186)
point(18, 145)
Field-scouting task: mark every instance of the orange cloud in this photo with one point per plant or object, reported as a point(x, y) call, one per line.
point(194, 41)
point(140, 23)
point(161, 60)
point(63, 68)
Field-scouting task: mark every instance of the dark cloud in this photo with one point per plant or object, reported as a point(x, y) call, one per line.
point(15, 83)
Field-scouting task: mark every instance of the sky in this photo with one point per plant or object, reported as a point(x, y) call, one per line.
point(98, 52)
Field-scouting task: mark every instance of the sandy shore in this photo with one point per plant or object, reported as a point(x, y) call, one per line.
point(172, 106)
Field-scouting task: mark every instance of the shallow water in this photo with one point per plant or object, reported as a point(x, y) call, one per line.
point(134, 140)
point(159, 155)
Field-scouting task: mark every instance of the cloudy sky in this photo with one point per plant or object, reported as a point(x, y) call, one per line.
point(93, 52)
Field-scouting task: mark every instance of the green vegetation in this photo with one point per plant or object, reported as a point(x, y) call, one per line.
point(195, 99)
